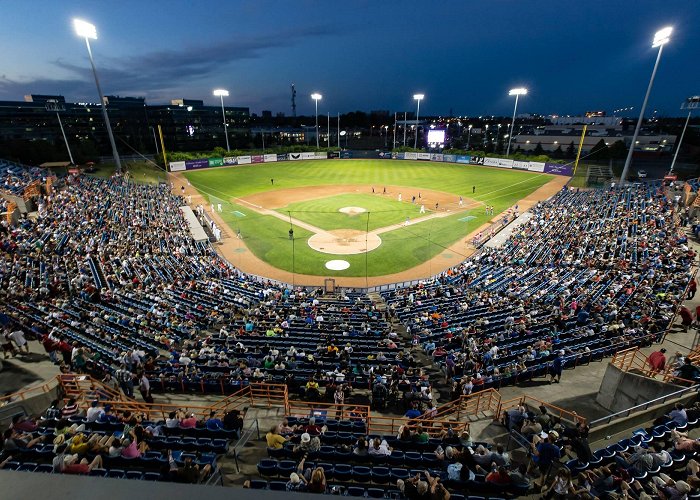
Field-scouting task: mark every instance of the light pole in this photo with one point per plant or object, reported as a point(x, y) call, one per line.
point(316, 97)
point(690, 104)
point(88, 31)
point(661, 38)
point(517, 93)
point(418, 98)
point(486, 135)
point(469, 136)
point(223, 93)
point(55, 105)
point(498, 135)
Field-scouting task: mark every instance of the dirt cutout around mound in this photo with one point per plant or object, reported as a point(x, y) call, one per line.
point(235, 251)
point(344, 241)
point(352, 211)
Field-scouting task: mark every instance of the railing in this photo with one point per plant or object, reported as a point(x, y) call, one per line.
point(467, 404)
point(382, 425)
point(328, 410)
point(529, 401)
point(644, 406)
point(630, 359)
point(47, 386)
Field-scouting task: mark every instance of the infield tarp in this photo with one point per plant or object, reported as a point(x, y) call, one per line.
point(558, 169)
point(177, 166)
point(194, 164)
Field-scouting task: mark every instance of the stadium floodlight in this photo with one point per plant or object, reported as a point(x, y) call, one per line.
point(418, 98)
point(316, 97)
point(88, 31)
point(85, 29)
point(661, 38)
point(223, 93)
point(469, 136)
point(690, 104)
point(517, 92)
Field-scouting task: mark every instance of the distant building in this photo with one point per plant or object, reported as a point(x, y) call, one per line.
point(187, 123)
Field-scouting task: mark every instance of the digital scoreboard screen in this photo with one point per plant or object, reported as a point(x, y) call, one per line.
point(436, 136)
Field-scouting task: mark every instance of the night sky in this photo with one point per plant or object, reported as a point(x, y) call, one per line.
point(361, 55)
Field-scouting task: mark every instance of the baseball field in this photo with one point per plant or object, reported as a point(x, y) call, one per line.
point(357, 218)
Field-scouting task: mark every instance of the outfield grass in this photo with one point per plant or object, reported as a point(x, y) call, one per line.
point(381, 212)
point(267, 236)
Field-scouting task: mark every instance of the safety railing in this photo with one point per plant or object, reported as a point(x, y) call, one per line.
point(47, 386)
point(467, 405)
point(305, 409)
point(382, 425)
point(630, 359)
point(530, 402)
point(644, 406)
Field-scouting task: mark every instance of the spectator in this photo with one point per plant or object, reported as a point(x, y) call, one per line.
point(274, 440)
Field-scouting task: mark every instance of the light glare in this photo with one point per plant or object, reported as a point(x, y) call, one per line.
point(85, 29)
point(221, 92)
point(316, 96)
point(418, 97)
point(518, 91)
point(662, 36)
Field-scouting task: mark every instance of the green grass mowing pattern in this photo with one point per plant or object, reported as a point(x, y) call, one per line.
point(323, 213)
point(267, 237)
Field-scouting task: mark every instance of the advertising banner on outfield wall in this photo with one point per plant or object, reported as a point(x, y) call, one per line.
point(346, 154)
point(193, 164)
point(410, 156)
point(244, 160)
point(536, 166)
point(256, 159)
point(269, 157)
point(177, 166)
point(321, 155)
point(216, 162)
point(282, 157)
point(476, 160)
point(498, 162)
point(424, 156)
point(464, 159)
point(436, 157)
point(449, 158)
point(294, 156)
point(308, 156)
point(557, 168)
point(230, 160)
point(398, 156)
point(521, 165)
point(385, 155)
point(333, 154)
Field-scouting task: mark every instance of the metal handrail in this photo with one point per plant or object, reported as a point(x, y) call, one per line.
point(644, 406)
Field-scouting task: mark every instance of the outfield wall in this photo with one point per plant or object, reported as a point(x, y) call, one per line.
point(531, 166)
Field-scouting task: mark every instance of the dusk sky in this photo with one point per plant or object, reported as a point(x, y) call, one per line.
point(361, 55)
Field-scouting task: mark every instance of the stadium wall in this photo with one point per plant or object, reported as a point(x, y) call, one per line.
point(531, 166)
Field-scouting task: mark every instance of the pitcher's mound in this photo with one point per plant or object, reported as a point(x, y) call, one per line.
point(352, 210)
point(344, 242)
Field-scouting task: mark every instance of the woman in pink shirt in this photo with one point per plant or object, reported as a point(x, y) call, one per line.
point(134, 449)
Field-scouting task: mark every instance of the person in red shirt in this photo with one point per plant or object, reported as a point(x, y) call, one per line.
point(499, 476)
point(657, 361)
point(692, 288)
point(686, 318)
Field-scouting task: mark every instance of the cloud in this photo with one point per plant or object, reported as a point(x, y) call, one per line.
point(157, 74)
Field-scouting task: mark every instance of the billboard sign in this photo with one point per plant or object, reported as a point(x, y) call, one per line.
point(521, 165)
point(216, 162)
point(477, 160)
point(536, 166)
point(177, 166)
point(558, 168)
point(410, 156)
point(269, 158)
point(464, 159)
point(282, 157)
point(295, 156)
point(244, 160)
point(193, 164)
point(424, 156)
point(230, 160)
point(256, 159)
point(449, 158)
point(436, 157)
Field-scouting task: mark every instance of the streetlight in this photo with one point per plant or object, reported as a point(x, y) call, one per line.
point(316, 97)
point(223, 93)
point(88, 31)
point(419, 98)
point(690, 104)
point(661, 38)
point(469, 136)
point(517, 93)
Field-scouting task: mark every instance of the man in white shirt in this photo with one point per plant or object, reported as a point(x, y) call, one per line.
point(94, 412)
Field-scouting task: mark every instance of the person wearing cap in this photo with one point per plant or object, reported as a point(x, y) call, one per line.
point(308, 444)
point(668, 488)
point(296, 482)
point(657, 362)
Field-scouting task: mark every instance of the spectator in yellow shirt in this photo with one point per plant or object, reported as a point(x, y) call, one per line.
point(274, 440)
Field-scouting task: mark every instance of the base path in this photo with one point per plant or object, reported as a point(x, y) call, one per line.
point(235, 251)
